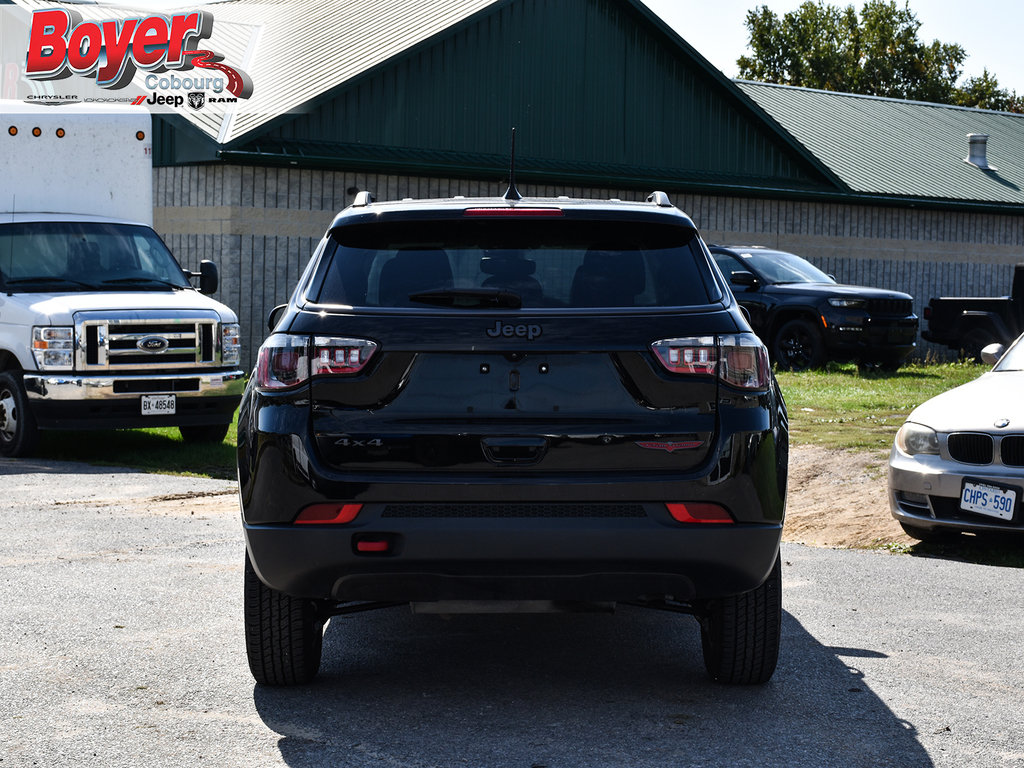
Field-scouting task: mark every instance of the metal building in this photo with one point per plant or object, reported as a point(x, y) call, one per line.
point(417, 98)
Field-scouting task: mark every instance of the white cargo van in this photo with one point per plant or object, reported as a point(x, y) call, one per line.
point(100, 327)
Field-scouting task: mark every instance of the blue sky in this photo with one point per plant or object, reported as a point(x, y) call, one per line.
point(991, 31)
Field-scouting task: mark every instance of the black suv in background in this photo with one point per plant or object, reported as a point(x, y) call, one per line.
point(806, 318)
point(499, 404)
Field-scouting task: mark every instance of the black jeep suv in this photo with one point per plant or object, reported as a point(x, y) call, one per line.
point(807, 318)
point(492, 404)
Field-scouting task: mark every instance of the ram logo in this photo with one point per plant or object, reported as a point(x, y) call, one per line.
point(154, 345)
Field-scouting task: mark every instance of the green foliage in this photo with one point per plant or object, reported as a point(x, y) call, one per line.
point(877, 53)
point(159, 449)
point(984, 92)
point(843, 407)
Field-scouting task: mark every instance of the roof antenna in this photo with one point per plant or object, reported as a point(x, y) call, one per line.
point(512, 193)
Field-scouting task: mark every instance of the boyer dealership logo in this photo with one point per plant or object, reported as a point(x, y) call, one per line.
point(61, 44)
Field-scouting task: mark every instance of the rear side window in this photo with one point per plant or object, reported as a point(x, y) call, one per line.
point(546, 264)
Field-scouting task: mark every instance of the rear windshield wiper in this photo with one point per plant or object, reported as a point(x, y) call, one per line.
point(141, 281)
point(470, 298)
point(45, 280)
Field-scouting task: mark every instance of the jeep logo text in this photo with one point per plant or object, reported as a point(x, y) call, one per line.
point(521, 331)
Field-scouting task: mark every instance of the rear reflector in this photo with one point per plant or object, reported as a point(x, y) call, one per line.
point(517, 211)
point(373, 545)
point(329, 514)
point(698, 512)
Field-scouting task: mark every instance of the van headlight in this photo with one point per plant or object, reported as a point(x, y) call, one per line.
point(913, 439)
point(54, 347)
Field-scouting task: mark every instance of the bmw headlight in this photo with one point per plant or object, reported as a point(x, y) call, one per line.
point(54, 347)
point(913, 439)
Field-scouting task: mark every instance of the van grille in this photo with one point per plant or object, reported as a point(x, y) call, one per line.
point(136, 340)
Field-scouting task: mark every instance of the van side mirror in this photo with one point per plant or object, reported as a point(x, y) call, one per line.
point(208, 277)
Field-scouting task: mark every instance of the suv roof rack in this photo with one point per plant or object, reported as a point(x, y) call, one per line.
point(660, 199)
point(363, 199)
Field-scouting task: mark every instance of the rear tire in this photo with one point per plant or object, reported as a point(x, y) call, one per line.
point(18, 431)
point(206, 433)
point(740, 634)
point(798, 346)
point(283, 634)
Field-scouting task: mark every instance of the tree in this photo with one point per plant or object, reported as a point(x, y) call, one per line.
point(831, 48)
point(984, 92)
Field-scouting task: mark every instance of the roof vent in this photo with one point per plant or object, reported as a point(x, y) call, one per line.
point(978, 151)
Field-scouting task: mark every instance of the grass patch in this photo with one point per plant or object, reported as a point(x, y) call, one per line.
point(160, 450)
point(843, 407)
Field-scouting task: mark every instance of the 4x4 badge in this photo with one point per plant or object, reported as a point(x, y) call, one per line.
point(519, 331)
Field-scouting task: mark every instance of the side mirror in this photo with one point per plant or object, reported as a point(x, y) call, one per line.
point(275, 316)
point(744, 278)
point(208, 277)
point(991, 353)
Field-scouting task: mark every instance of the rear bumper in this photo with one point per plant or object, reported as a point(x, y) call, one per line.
point(521, 559)
point(110, 402)
point(511, 535)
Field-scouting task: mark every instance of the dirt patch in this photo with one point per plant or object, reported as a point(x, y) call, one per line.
point(839, 499)
point(836, 499)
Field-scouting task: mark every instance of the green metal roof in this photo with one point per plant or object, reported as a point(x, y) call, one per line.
point(599, 90)
point(898, 148)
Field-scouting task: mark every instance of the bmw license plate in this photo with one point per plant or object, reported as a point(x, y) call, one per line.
point(159, 405)
point(989, 500)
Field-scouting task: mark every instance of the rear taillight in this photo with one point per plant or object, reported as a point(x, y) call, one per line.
point(287, 361)
point(283, 362)
point(331, 355)
point(739, 360)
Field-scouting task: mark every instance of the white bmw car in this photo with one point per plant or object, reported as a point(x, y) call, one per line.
point(958, 460)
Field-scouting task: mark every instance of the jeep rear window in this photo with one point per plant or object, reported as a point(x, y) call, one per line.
point(550, 263)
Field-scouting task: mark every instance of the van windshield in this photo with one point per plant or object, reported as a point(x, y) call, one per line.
point(50, 256)
point(476, 264)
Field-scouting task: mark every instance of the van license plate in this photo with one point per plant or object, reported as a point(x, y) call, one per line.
point(159, 405)
point(988, 500)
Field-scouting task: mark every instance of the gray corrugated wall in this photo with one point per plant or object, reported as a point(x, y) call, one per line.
point(261, 226)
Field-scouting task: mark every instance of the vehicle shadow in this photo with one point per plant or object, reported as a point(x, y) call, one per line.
point(45, 466)
point(1004, 550)
point(574, 690)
